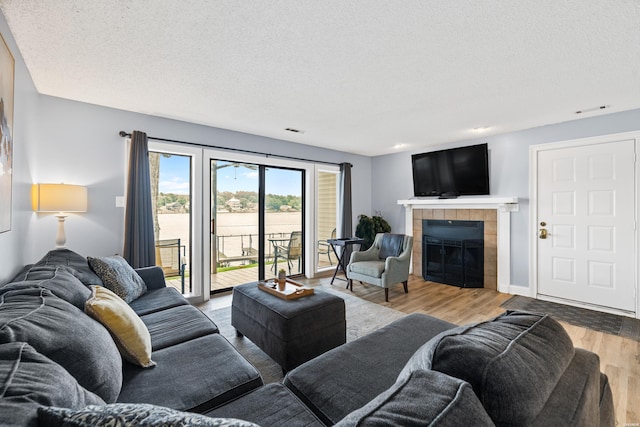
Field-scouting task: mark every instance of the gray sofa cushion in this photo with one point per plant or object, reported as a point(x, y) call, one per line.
point(419, 399)
point(130, 415)
point(513, 362)
point(29, 380)
point(157, 300)
point(59, 280)
point(176, 325)
point(78, 263)
point(216, 374)
point(64, 334)
point(271, 405)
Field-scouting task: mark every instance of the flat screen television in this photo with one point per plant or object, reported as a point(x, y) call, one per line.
point(451, 173)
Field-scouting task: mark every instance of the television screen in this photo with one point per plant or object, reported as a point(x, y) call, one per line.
point(454, 172)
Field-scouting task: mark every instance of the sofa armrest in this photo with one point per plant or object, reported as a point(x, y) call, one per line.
point(153, 277)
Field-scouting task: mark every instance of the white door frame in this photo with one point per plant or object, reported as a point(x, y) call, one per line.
point(533, 211)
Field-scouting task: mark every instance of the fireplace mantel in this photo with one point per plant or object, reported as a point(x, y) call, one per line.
point(503, 206)
point(501, 203)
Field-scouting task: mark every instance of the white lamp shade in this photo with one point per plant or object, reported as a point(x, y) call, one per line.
point(59, 198)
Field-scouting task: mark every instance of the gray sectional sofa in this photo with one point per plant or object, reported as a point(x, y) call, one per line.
point(519, 369)
point(43, 329)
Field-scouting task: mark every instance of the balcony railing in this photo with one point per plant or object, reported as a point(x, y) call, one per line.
point(242, 249)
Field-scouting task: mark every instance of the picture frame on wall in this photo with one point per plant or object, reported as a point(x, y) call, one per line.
point(7, 69)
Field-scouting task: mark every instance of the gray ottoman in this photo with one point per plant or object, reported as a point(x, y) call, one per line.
point(289, 331)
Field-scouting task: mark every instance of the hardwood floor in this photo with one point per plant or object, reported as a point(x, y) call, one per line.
point(619, 357)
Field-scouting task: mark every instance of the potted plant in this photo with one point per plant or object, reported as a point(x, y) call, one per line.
point(282, 279)
point(368, 227)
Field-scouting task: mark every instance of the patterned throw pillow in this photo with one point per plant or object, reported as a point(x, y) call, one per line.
point(128, 330)
point(119, 277)
point(130, 415)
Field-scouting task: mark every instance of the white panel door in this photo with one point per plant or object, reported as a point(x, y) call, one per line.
point(586, 202)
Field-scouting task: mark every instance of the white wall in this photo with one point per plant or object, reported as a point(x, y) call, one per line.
point(13, 243)
point(79, 144)
point(509, 167)
point(65, 141)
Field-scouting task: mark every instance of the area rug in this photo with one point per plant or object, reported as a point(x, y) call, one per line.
point(602, 322)
point(362, 317)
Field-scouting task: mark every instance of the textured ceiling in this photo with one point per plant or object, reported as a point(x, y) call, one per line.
point(358, 76)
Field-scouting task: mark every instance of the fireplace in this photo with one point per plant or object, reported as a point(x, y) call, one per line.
point(495, 212)
point(453, 252)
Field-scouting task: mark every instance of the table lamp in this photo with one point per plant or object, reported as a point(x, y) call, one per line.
point(61, 198)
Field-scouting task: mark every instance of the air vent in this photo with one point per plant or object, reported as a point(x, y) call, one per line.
point(590, 110)
point(294, 130)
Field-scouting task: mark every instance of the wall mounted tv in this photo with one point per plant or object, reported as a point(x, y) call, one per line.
point(451, 173)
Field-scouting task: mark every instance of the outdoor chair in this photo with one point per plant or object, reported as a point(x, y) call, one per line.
point(384, 264)
point(170, 258)
point(324, 248)
point(291, 251)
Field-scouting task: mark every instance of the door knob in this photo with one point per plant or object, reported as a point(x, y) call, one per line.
point(543, 233)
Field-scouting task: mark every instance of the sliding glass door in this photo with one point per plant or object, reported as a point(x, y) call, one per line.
point(283, 220)
point(256, 222)
point(228, 218)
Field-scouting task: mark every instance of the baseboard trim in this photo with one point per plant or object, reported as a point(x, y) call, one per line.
point(519, 290)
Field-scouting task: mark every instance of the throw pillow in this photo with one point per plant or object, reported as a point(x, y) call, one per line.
point(419, 399)
point(74, 261)
point(65, 335)
point(130, 415)
point(513, 362)
point(129, 332)
point(118, 276)
point(391, 245)
point(29, 380)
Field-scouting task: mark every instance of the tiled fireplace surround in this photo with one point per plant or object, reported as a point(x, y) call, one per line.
point(490, 219)
point(494, 212)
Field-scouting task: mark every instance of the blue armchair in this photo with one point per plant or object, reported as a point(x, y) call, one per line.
point(385, 263)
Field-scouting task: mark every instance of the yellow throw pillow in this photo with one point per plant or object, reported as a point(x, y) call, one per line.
point(129, 332)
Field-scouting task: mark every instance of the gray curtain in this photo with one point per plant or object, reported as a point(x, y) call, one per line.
point(346, 214)
point(139, 243)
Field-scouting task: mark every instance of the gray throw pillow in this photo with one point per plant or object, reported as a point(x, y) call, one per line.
point(131, 415)
point(59, 280)
point(422, 398)
point(29, 380)
point(513, 362)
point(119, 277)
point(65, 335)
point(74, 261)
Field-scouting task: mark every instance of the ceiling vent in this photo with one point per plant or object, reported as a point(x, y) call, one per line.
point(590, 110)
point(294, 130)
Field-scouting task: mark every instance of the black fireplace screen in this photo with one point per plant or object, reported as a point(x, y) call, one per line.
point(453, 252)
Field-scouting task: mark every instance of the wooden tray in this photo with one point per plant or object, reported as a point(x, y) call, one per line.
point(292, 289)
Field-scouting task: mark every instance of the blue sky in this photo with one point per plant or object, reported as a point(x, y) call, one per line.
point(174, 178)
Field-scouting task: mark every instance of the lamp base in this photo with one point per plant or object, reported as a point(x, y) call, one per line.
point(61, 239)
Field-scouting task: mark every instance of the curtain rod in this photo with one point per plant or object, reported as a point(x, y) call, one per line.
point(239, 150)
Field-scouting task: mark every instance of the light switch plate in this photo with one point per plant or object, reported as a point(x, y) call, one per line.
point(120, 202)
